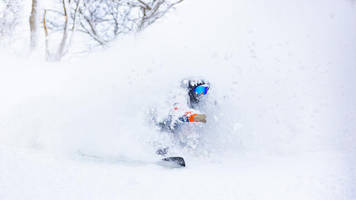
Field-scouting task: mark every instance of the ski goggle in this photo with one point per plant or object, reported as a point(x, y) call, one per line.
point(201, 89)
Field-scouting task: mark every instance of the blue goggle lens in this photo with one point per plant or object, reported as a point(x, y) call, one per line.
point(201, 90)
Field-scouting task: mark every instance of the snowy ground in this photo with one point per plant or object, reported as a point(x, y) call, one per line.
point(281, 117)
point(33, 175)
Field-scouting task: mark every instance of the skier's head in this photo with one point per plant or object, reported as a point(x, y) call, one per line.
point(197, 89)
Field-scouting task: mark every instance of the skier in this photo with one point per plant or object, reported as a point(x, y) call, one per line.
point(185, 109)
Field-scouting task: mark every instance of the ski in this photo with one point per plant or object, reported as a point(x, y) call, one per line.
point(174, 161)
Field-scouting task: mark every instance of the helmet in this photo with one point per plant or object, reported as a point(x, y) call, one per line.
point(196, 88)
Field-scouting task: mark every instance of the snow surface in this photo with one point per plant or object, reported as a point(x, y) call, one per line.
point(281, 117)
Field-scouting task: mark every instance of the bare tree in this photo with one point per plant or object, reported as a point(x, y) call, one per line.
point(153, 10)
point(106, 19)
point(44, 23)
point(34, 24)
point(9, 17)
point(101, 21)
point(65, 28)
point(62, 45)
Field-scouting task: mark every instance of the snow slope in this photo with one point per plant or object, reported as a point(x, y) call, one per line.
point(281, 111)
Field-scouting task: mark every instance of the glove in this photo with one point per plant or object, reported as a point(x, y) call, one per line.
point(200, 118)
point(194, 117)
